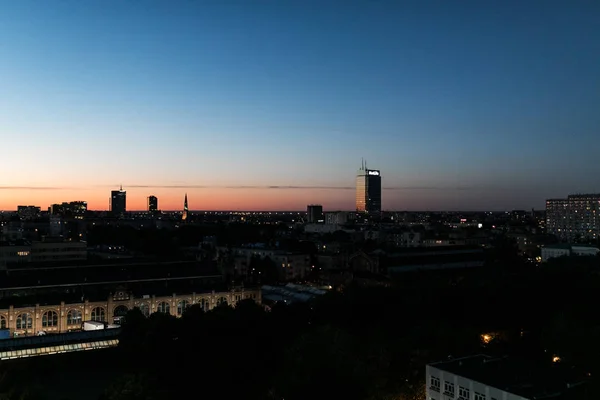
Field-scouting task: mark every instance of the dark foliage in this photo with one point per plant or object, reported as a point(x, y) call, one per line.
point(368, 343)
point(364, 343)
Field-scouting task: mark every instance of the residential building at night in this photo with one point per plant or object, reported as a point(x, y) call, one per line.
point(575, 218)
point(336, 218)
point(482, 377)
point(73, 209)
point(28, 212)
point(314, 213)
point(368, 190)
point(41, 251)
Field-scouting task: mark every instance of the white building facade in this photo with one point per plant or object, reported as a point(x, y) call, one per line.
point(442, 385)
point(482, 377)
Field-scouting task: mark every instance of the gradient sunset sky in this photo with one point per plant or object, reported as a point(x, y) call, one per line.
point(270, 104)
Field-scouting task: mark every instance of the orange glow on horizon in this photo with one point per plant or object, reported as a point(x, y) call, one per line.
point(214, 199)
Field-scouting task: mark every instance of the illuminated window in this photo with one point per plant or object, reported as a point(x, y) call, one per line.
point(181, 306)
point(163, 307)
point(98, 314)
point(22, 253)
point(24, 321)
point(49, 319)
point(74, 317)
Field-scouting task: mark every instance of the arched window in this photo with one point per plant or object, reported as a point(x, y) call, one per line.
point(49, 319)
point(24, 321)
point(163, 307)
point(145, 309)
point(74, 317)
point(222, 301)
point(205, 304)
point(120, 311)
point(98, 314)
point(2, 322)
point(181, 306)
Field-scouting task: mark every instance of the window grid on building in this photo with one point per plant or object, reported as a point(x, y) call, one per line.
point(435, 384)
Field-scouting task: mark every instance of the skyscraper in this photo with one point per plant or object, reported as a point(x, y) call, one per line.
point(152, 204)
point(118, 201)
point(368, 190)
point(184, 215)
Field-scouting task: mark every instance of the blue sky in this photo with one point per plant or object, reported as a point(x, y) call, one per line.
point(462, 105)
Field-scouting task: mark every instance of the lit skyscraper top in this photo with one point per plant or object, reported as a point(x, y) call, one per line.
point(368, 190)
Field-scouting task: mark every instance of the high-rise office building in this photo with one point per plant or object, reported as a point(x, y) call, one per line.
point(314, 213)
point(368, 190)
point(575, 218)
point(118, 201)
point(152, 204)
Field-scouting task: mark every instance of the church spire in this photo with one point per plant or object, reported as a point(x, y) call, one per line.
point(184, 216)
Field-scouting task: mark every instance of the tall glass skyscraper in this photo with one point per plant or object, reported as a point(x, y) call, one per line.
point(368, 190)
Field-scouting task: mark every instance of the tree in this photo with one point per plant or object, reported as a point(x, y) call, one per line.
point(131, 387)
point(133, 332)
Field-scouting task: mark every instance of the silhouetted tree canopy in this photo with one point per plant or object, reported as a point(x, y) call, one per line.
point(365, 343)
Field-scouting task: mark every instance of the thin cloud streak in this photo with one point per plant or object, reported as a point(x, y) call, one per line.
point(32, 188)
point(297, 187)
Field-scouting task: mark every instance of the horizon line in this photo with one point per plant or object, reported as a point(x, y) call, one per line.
point(303, 210)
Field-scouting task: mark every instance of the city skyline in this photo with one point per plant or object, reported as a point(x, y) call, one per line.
point(261, 106)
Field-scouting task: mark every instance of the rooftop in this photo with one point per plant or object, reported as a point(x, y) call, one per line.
point(520, 377)
point(104, 274)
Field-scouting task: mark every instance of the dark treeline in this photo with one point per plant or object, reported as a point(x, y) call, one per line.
point(364, 343)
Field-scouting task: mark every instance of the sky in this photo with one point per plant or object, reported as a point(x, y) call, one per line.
point(271, 104)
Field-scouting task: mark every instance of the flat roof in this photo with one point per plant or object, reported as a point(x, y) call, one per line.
point(518, 376)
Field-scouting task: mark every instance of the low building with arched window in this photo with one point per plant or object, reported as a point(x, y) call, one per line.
point(65, 317)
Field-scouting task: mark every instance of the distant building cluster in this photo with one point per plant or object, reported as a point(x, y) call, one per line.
point(54, 251)
point(74, 209)
point(368, 204)
point(576, 218)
